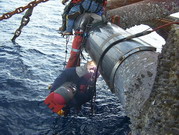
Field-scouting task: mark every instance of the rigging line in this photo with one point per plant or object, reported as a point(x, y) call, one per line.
point(165, 25)
point(66, 50)
point(162, 26)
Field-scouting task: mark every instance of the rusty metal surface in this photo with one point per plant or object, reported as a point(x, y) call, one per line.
point(111, 4)
point(143, 11)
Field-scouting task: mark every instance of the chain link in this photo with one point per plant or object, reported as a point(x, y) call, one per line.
point(21, 9)
point(25, 20)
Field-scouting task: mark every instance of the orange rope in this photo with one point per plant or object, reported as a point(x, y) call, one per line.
point(165, 25)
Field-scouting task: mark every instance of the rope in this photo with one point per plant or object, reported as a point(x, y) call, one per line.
point(162, 26)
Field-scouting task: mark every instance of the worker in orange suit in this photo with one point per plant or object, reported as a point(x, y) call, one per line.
point(74, 59)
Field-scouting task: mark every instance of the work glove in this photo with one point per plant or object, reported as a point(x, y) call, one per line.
point(55, 102)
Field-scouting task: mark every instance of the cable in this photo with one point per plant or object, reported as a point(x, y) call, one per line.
point(66, 50)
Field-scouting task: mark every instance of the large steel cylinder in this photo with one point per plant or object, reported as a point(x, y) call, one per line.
point(129, 67)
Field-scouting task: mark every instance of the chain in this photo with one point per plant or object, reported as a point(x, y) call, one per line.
point(25, 20)
point(21, 9)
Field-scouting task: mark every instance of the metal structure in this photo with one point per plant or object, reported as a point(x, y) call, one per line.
point(127, 66)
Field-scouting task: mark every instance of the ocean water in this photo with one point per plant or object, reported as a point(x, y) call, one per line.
point(30, 65)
